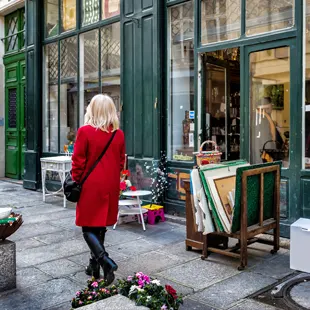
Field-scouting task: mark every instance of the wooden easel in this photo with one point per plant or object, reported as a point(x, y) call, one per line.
point(246, 235)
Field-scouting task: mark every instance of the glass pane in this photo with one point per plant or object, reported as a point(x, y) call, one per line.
point(269, 15)
point(89, 69)
point(51, 17)
point(270, 105)
point(220, 20)
point(111, 63)
point(11, 24)
point(181, 82)
point(68, 14)
point(110, 8)
point(222, 106)
point(50, 104)
point(90, 13)
point(307, 86)
point(68, 93)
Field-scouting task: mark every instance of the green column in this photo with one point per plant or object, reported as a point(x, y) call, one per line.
point(34, 30)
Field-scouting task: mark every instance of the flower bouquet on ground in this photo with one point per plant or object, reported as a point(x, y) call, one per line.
point(149, 293)
point(95, 291)
point(125, 185)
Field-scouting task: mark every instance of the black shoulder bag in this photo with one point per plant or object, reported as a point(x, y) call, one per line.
point(72, 189)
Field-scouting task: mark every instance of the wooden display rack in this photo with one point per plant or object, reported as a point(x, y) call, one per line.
point(247, 234)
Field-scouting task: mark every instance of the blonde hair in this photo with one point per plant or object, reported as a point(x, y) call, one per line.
point(101, 113)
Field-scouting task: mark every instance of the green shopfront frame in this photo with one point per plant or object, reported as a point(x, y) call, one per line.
point(145, 92)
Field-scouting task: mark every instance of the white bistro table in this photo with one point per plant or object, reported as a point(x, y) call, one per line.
point(60, 164)
point(125, 209)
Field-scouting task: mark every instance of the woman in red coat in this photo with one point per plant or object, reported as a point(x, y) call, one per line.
point(98, 203)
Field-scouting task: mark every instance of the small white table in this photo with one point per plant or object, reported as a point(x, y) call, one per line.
point(132, 202)
point(60, 164)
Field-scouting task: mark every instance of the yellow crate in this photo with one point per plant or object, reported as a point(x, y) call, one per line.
point(153, 207)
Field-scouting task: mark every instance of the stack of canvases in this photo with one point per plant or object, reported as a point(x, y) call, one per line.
point(213, 190)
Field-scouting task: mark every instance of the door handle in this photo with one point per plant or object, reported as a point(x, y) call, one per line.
point(155, 103)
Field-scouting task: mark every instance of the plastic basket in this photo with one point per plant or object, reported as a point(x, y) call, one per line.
point(208, 157)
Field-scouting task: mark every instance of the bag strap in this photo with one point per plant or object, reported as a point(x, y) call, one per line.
point(99, 158)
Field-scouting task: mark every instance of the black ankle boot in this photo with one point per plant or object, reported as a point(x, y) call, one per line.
point(93, 268)
point(98, 250)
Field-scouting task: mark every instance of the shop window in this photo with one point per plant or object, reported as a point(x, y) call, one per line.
point(270, 105)
point(220, 20)
point(50, 103)
point(307, 86)
point(265, 15)
point(90, 12)
point(110, 53)
point(222, 101)
point(110, 8)
point(51, 17)
point(68, 90)
point(89, 69)
point(68, 14)
point(181, 82)
point(15, 31)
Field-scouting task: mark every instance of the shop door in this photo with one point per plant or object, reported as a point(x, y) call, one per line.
point(269, 123)
point(221, 102)
point(15, 120)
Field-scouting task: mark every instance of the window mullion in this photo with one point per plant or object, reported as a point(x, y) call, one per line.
point(243, 17)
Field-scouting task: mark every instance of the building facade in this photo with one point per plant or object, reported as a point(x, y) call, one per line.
point(180, 72)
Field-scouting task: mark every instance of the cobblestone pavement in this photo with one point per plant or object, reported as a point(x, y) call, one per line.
point(51, 255)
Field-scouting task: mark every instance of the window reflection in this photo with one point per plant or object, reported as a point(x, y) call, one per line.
point(270, 105)
point(181, 71)
point(110, 8)
point(90, 12)
point(68, 14)
point(51, 17)
point(307, 87)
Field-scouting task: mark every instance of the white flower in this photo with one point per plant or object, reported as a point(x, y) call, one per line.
point(157, 282)
point(133, 288)
point(128, 183)
point(141, 290)
point(148, 298)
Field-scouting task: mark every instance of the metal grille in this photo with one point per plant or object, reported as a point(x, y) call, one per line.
point(23, 23)
point(12, 33)
point(68, 57)
point(12, 108)
point(52, 65)
point(267, 8)
point(110, 50)
point(182, 20)
point(91, 53)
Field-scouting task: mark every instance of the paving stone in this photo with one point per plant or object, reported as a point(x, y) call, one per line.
point(38, 218)
point(277, 268)
point(190, 304)
point(32, 230)
point(81, 278)
point(68, 223)
point(114, 237)
point(263, 250)
point(63, 235)
point(228, 292)
point(181, 289)
point(63, 306)
point(135, 247)
point(42, 208)
point(300, 294)
point(51, 252)
point(148, 263)
point(7, 265)
point(174, 236)
point(31, 276)
point(179, 250)
point(117, 302)
point(59, 268)
point(199, 274)
point(252, 305)
point(23, 245)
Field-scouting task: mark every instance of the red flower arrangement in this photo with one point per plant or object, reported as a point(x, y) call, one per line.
point(125, 185)
point(170, 290)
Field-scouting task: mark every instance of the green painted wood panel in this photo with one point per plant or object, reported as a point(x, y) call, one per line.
point(305, 189)
point(128, 7)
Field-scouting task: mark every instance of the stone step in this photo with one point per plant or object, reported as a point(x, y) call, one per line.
point(117, 302)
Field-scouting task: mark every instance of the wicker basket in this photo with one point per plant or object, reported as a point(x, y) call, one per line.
point(8, 229)
point(208, 157)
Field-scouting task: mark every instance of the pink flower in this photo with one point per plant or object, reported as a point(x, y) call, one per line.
point(80, 302)
point(141, 283)
point(78, 293)
point(123, 186)
point(94, 284)
point(146, 279)
point(129, 278)
point(164, 307)
point(90, 297)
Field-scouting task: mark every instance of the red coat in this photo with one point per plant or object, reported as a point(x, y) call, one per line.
point(98, 203)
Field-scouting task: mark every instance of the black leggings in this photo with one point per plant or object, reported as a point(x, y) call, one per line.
point(95, 230)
